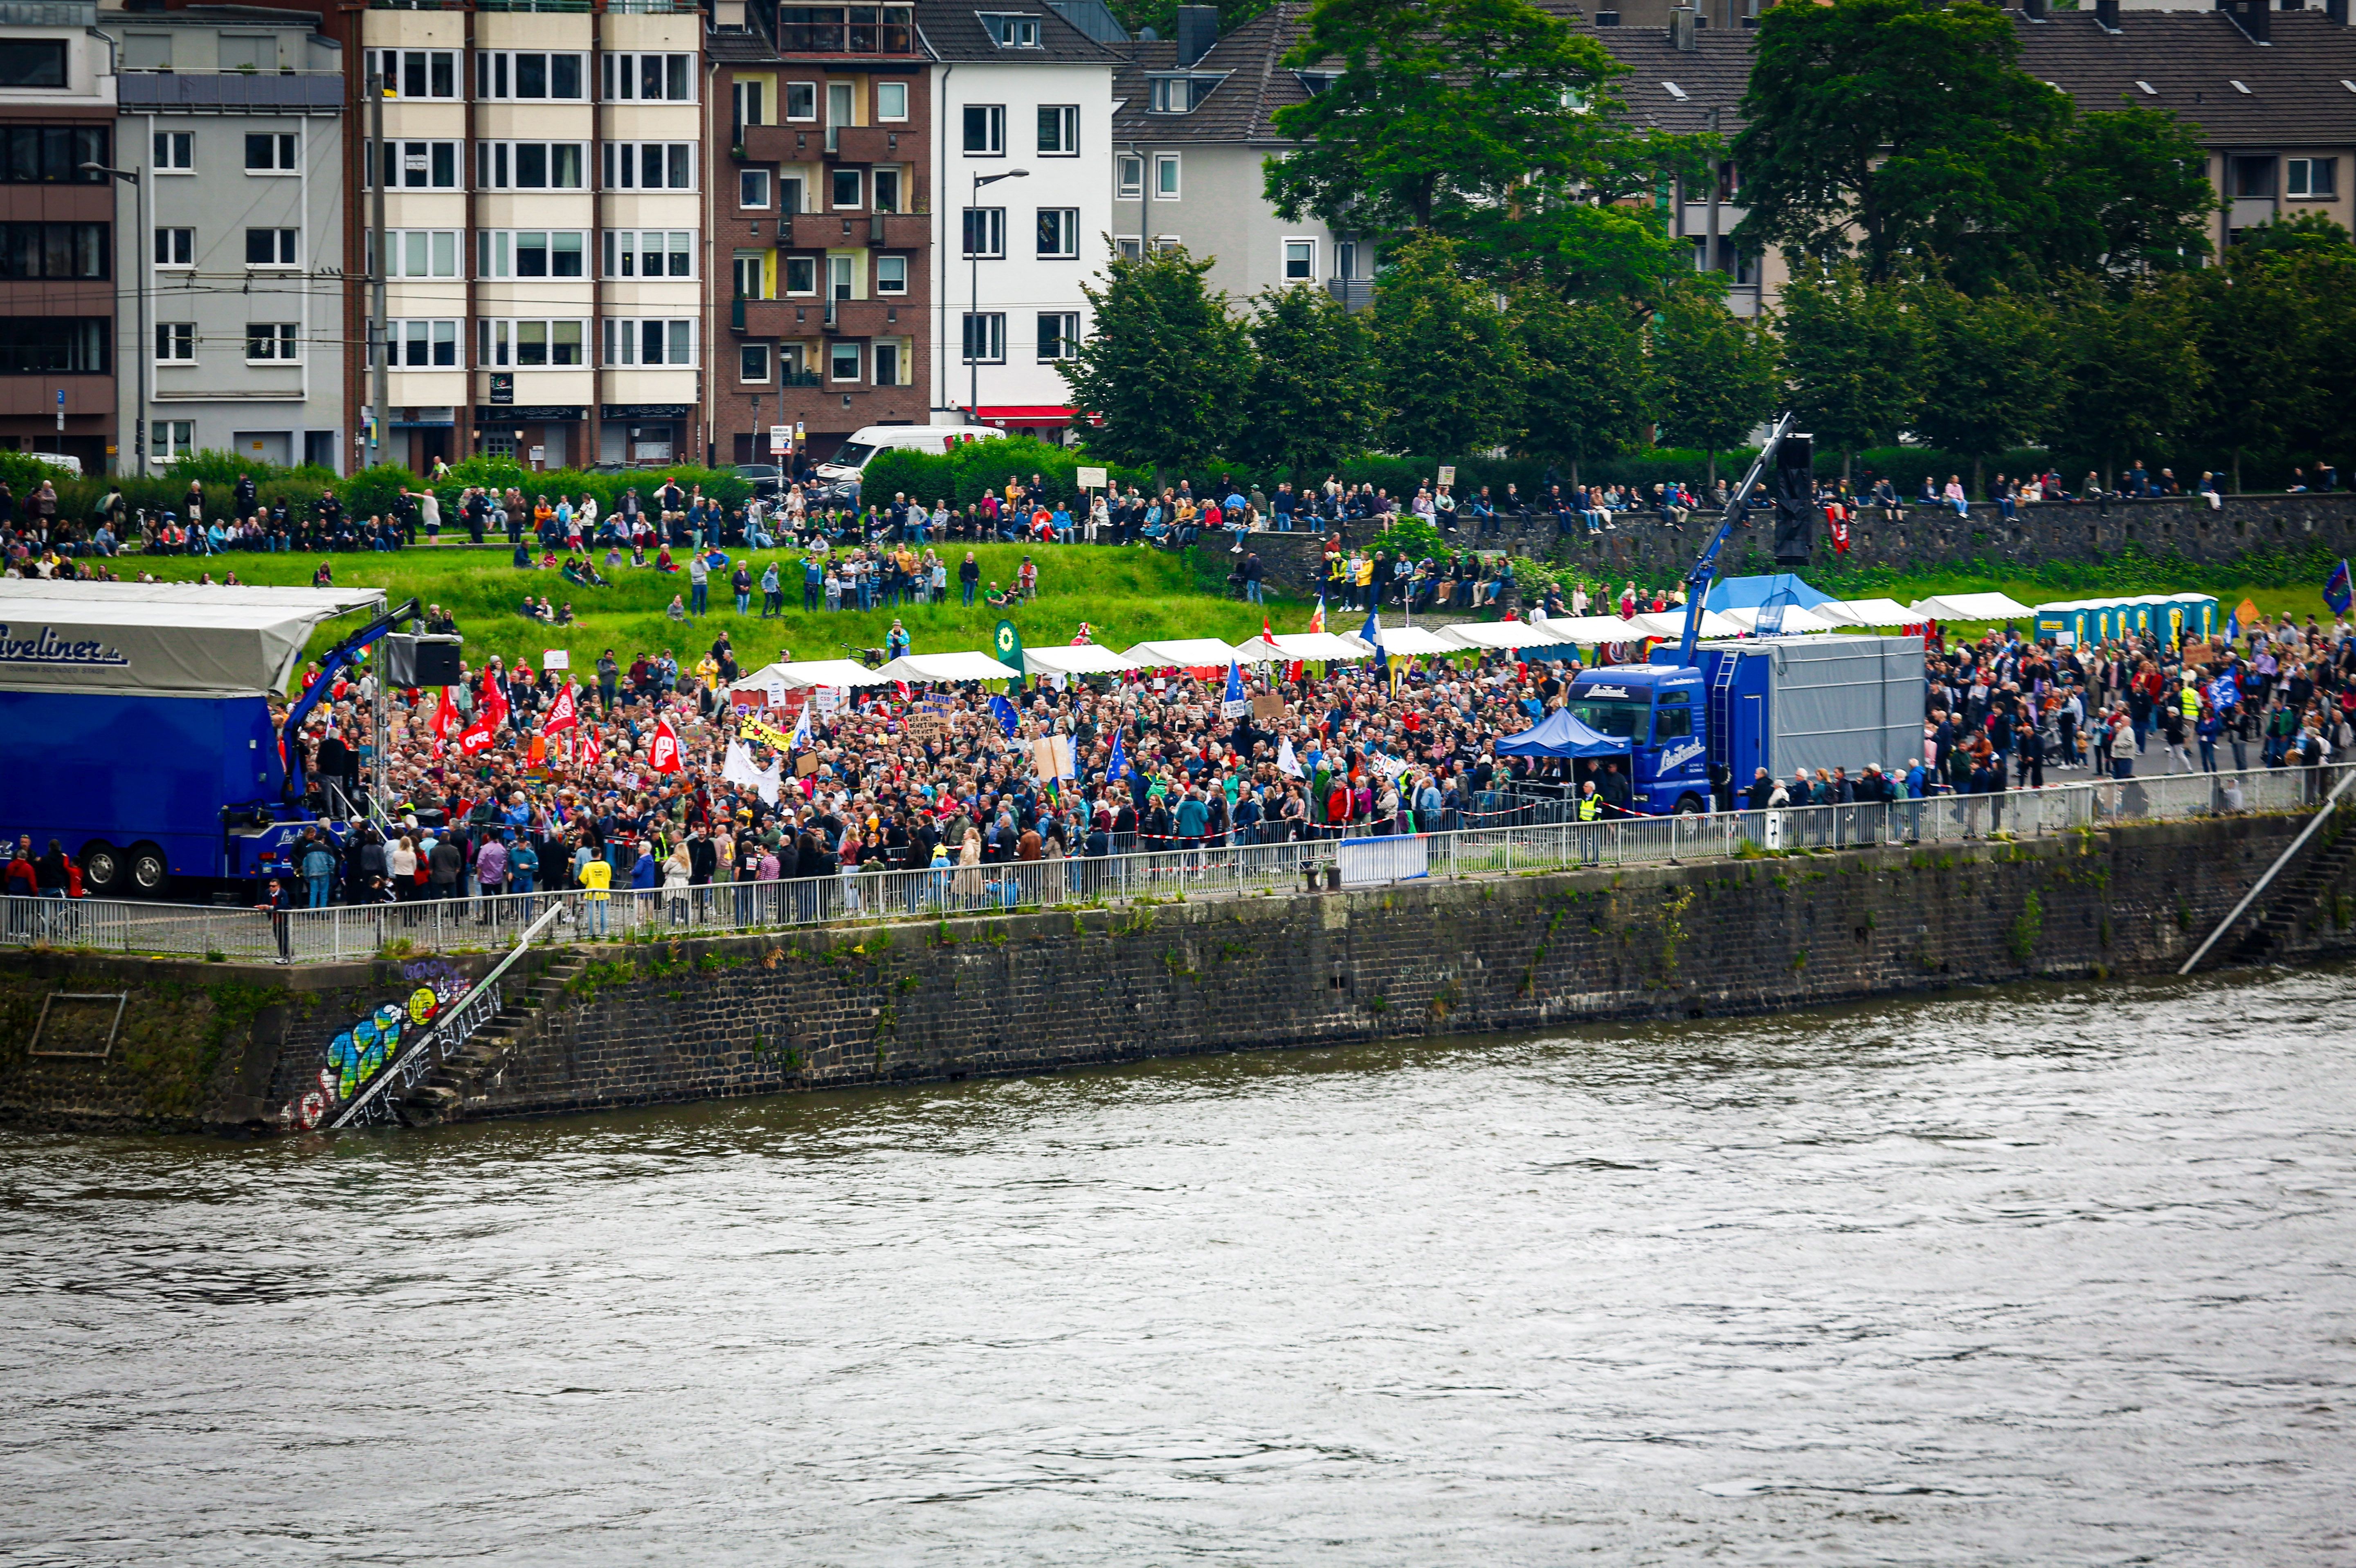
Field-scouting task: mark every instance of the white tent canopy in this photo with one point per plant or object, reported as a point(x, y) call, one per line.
point(1412, 642)
point(1795, 619)
point(1669, 625)
point(176, 645)
point(940, 667)
point(337, 599)
point(1970, 607)
point(1866, 613)
point(794, 676)
point(1074, 659)
point(1505, 634)
point(1593, 629)
point(1307, 646)
point(1187, 652)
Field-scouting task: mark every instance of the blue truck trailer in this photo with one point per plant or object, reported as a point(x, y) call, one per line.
point(142, 733)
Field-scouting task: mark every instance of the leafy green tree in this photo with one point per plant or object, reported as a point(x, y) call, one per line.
point(1162, 364)
point(2134, 375)
point(2134, 194)
point(1879, 128)
point(2260, 337)
point(1993, 376)
point(1448, 366)
point(1588, 386)
point(1487, 121)
point(1853, 357)
point(1311, 401)
point(1715, 375)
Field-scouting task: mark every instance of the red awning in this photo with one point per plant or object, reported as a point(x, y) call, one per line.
point(1026, 414)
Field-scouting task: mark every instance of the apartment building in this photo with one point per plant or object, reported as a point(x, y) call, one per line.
point(1026, 214)
point(233, 275)
point(58, 219)
point(821, 294)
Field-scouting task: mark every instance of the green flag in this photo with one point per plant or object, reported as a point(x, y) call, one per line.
point(1009, 643)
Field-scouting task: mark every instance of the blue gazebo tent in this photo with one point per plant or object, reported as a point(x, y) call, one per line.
point(1559, 734)
point(1751, 592)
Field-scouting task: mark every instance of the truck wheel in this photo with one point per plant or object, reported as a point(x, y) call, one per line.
point(101, 867)
point(148, 870)
point(1689, 805)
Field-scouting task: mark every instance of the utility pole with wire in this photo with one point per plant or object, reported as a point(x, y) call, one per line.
point(379, 328)
point(976, 336)
point(144, 348)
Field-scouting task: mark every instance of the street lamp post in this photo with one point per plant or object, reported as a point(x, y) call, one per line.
point(973, 244)
point(146, 253)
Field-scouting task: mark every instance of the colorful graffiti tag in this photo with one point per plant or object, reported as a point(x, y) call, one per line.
point(358, 1053)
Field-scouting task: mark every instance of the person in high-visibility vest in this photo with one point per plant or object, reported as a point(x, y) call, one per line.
point(1590, 804)
point(596, 876)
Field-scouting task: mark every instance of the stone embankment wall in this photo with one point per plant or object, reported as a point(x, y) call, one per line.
point(1928, 538)
point(894, 1003)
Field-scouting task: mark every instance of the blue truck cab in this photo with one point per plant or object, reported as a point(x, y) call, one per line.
point(1660, 710)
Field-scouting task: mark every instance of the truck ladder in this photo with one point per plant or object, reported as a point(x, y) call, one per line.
point(1722, 714)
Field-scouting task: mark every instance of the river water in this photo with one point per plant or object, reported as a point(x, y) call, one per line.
point(2044, 1276)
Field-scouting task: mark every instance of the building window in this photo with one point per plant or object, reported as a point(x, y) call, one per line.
point(176, 343)
point(175, 153)
point(272, 341)
point(415, 73)
point(891, 100)
point(1129, 177)
point(753, 189)
point(1059, 233)
point(668, 342)
point(752, 363)
point(801, 100)
point(2312, 177)
point(1059, 334)
point(53, 154)
point(887, 189)
point(32, 62)
point(1299, 260)
point(1165, 176)
point(750, 96)
point(530, 345)
point(801, 274)
point(146, 51)
point(422, 252)
point(1178, 94)
point(891, 275)
point(985, 232)
point(422, 345)
point(529, 74)
point(842, 361)
point(1128, 247)
point(887, 364)
point(844, 184)
point(651, 253)
point(1059, 130)
point(531, 253)
point(1013, 32)
point(417, 166)
point(650, 165)
point(750, 274)
point(249, 51)
point(985, 130)
point(176, 247)
point(529, 165)
point(171, 440)
point(844, 31)
point(53, 250)
point(277, 154)
point(651, 78)
point(985, 338)
point(271, 246)
point(51, 344)
point(2253, 177)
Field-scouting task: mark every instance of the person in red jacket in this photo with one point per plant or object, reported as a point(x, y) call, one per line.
point(21, 879)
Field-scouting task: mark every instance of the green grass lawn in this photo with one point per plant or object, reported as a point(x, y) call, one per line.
point(1127, 595)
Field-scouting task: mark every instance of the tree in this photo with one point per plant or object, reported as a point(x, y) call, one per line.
point(1161, 367)
point(1852, 357)
point(1993, 379)
point(1588, 386)
point(1447, 366)
point(1310, 401)
point(1490, 122)
point(2259, 338)
point(1878, 128)
point(2134, 377)
point(2134, 194)
point(1716, 374)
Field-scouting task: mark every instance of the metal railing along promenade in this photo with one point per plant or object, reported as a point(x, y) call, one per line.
point(489, 922)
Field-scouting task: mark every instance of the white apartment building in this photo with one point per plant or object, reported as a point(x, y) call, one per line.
point(543, 179)
point(1024, 114)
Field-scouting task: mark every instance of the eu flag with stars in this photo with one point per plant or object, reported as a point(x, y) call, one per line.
point(2336, 590)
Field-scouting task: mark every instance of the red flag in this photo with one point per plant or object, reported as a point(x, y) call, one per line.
point(562, 715)
point(663, 757)
point(1839, 520)
point(445, 721)
point(588, 757)
point(475, 737)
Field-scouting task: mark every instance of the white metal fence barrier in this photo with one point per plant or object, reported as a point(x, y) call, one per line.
point(354, 932)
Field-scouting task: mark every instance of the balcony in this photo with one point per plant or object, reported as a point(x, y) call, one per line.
point(899, 230)
point(774, 144)
point(775, 318)
point(865, 318)
point(1356, 293)
point(862, 144)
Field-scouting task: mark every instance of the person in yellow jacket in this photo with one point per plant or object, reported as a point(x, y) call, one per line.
point(1590, 804)
point(596, 878)
point(2188, 702)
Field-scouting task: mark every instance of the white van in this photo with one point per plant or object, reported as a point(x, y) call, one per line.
point(840, 472)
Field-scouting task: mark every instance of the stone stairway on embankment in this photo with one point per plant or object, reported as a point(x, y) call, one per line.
point(522, 1019)
point(2294, 897)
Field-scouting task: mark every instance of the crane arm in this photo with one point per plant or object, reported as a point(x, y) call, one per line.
point(1704, 569)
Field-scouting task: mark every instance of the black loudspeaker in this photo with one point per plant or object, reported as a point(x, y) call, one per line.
point(419, 660)
point(1793, 490)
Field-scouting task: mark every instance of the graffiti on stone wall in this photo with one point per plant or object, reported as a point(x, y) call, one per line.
point(360, 1051)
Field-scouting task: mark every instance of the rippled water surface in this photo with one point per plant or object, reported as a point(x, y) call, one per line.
point(2047, 1275)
